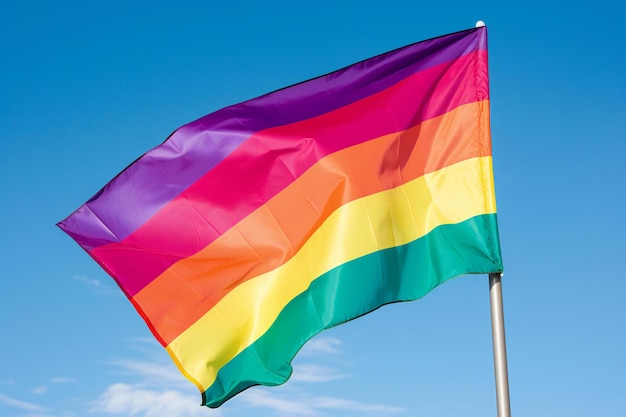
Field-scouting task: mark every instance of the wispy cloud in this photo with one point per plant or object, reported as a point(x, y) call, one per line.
point(96, 284)
point(135, 400)
point(21, 405)
point(326, 345)
point(159, 389)
point(143, 344)
point(264, 398)
point(307, 405)
point(63, 380)
point(151, 373)
point(90, 281)
point(348, 405)
point(40, 390)
point(156, 388)
point(315, 373)
point(298, 400)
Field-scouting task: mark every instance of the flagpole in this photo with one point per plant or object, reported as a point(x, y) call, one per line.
point(499, 345)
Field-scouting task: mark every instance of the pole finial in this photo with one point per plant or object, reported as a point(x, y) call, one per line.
point(480, 24)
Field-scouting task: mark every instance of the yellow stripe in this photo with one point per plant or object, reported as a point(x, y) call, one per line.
point(376, 222)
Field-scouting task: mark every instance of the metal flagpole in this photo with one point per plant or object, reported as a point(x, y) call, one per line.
point(499, 345)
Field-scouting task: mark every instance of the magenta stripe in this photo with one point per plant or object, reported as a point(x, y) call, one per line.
point(160, 175)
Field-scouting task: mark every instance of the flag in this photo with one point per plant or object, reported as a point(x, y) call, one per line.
point(252, 229)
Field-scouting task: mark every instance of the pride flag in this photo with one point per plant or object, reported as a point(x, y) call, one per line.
point(253, 228)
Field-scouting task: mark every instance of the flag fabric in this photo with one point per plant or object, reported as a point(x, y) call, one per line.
point(252, 229)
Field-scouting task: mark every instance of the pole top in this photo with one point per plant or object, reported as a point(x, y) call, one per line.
point(480, 24)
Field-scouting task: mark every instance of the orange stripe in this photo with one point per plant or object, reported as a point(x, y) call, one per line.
point(272, 234)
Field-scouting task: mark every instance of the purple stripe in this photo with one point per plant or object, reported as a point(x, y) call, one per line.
point(156, 178)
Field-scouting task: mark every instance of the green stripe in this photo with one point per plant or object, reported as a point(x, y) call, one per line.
point(356, 288)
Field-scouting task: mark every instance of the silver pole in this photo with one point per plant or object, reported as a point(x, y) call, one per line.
point(499, 345)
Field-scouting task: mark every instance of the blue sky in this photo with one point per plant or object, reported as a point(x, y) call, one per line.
point(87, 87)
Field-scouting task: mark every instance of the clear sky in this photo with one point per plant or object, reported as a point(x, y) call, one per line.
point(87, 87)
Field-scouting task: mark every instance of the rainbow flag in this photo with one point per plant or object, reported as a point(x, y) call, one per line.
point(253, 228)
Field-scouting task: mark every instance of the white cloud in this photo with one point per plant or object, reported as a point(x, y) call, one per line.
point(152, 373)
point(327, 345)
point(86, 280)
point(63, 380)
point(343, 404)
point(310, 405)
point(315, 373)
point(157, 388)
point(22, 405)
point(144, 344)
point(40, 390)
point(94, 283)
point(160, 390)
point(135, 400)
point(263, 398)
